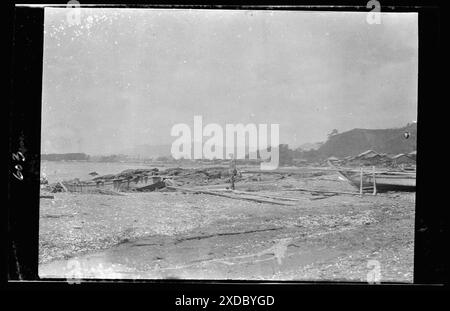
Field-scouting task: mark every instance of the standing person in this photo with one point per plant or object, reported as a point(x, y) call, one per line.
point(233, 172)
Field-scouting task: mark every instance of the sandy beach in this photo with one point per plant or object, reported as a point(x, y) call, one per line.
point(166, 234)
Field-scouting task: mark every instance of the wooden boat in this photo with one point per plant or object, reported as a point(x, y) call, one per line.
point(116, 184)
point(384, 181)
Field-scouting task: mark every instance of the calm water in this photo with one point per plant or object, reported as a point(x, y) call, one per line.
point(56, 170)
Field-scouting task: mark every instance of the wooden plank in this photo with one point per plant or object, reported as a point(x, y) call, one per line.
point(324, 197)
point(241, 183)
point(257, 194)
point(228, 196)
point(321, 191)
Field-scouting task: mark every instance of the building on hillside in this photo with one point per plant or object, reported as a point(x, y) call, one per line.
point(369, 158)
point(403, 159)
point(348, 158)
point(366, 154)
point(373, 160)
point(386, 159)
point(333, 160)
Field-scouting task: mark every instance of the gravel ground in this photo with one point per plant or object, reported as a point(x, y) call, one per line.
point(177, 235)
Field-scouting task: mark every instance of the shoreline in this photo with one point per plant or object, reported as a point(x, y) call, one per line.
point(171, 225)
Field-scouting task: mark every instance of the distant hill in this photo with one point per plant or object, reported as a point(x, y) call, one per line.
point(350, 143)
point(154, 151)
point(65, 157)
point(148, 151)
point(353, 142)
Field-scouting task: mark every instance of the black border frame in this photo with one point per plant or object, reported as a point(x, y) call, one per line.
point(24, 112)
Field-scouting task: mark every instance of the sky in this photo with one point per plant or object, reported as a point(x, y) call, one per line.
point(124, 77)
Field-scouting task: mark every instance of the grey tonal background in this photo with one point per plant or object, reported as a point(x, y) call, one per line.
point(124, 77)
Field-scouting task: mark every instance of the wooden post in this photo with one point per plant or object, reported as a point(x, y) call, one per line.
point(374, 181)
point(361, 181)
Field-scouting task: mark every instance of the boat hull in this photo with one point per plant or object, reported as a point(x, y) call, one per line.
point(384, 182)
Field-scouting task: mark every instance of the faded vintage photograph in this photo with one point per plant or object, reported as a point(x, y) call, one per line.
point(272, 145)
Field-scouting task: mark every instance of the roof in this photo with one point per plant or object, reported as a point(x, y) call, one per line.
point(402, 155)
point(366, 153)
point(399, 156)
point(371, 156)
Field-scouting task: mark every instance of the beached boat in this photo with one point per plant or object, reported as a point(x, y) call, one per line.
point(384, 181)
point(115, 184)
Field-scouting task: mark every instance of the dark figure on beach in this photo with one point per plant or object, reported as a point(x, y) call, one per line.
point(233, 173)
